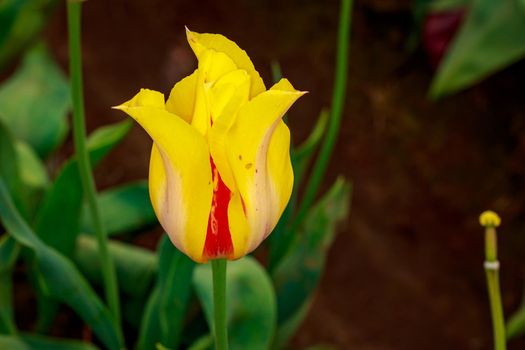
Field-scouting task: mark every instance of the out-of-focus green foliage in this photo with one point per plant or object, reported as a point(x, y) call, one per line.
point(9, 250)
point(20, 23)
point(34, 102)
point(9, 169)
point(490, 39)
point(59, 278)
point(250, 299)
point(167, 298)
point(297, 276)
point(58, 220)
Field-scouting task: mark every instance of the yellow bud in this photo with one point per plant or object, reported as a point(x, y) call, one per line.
point(489, 219)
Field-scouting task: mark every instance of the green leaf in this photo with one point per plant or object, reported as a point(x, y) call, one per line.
point(135, 267)
point(166, 307)
point(490, 39)
point(31, 342)
point(9, 170)
point(283, 234)
point(59, 277)
point(123, 209)
point(297, 277)
point(250, 300)
point(516, 323)
point(9, 251)
point(34, 103)
point(58, 220)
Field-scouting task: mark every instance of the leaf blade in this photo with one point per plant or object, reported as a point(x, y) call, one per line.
point(58, 275)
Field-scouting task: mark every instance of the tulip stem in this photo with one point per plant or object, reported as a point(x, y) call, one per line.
point(492, 274)
point(220, 330)
point(84, 164)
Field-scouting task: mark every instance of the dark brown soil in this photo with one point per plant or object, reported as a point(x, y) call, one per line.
point(406, 271)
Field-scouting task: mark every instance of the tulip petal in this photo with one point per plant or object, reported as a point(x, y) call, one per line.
point(200, 42)
point(180, 173)
point(181, 101)
point(212, 66)
point(226, 96)
point(258, 153)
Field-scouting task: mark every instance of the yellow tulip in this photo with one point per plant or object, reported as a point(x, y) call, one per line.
point(220, 172)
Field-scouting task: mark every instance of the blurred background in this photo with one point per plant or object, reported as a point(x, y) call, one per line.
point(406, 270)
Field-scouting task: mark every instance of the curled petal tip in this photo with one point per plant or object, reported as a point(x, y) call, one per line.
point(190, 36)
point(119, 107)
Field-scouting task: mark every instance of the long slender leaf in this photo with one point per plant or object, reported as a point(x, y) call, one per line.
point(9, 251)
point(516, 323)
point(250, 300)
point(58, 220)
point(166, 308)
point(58, 276)
point(9, 170)
point(297, 277)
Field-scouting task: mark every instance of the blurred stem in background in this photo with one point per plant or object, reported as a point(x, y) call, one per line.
point(338, 102)
point(79, 135)
point(284, 234)
point(490, 221)
point(220, 330)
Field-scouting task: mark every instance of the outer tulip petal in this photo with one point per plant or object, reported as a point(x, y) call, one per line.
point(180, 172)
point(181, 101)
point(200, 42)
point(258, 144)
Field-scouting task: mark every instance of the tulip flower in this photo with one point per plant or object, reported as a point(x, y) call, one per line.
point(220, 173)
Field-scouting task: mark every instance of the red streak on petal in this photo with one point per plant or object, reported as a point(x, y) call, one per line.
point(218, 242)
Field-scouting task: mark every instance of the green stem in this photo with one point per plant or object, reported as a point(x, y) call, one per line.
point(84, 165)
point(338, 102)
point(220, 330)
point(492, 274)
